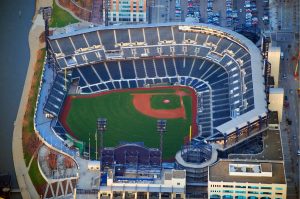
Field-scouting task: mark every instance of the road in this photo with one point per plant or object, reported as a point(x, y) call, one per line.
point(286, 38)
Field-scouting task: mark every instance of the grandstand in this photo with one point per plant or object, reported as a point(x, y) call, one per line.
point(131, 154)
point(219, 64)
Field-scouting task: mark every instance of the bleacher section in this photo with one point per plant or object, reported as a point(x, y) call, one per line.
point(215, 63)
point(131, 155)
point(57, 94)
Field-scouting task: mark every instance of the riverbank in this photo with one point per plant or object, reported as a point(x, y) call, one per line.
point(26, 187)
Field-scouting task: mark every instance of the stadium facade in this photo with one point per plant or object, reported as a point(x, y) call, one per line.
point(224, 68)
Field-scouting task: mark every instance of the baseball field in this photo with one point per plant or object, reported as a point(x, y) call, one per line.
point(132, 116)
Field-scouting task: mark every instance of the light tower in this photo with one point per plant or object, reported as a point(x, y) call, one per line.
point(106, 9)
point(161, 127)
point(101, 128)
point(47, 12)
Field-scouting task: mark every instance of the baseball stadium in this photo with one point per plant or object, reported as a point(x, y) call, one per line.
point(204, 82)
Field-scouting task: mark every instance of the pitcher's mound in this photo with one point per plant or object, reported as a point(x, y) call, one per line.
point(166, 101)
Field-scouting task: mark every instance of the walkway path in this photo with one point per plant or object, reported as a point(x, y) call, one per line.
point(26, 187)
point(69, 11)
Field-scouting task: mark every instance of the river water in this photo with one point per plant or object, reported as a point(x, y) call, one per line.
point(15, 22)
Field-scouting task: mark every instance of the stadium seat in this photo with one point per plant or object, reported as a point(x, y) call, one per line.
point(218, 68)
point(79, 41)
point(114, 71)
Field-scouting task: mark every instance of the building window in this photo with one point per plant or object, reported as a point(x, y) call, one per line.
point(266, 187)
point(228, 186)
point(252, 192)
point(279, 188)
point(268, 193)
point(240, 191)
point(228, 191)
point(215, 196)
point(240, 197)
point(240, 186)
point(227, 197)
point(253, 187)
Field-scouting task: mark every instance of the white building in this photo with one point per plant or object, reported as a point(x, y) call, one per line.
point(276, 99)
point(246, 179)
point(274, 59)
point(172, 184)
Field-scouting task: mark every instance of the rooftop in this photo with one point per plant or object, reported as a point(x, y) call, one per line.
point(256, 169)
point(273, 119)
point(220, 172)
point(272, 149)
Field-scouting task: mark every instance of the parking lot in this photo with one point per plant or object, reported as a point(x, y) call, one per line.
point(234, 14)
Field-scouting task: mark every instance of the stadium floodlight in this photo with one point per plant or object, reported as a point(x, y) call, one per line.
point(161, 127)
point(47, 12)
point(101, 124)
point(101, 128)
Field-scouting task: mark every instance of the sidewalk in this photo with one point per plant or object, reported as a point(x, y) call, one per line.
point(70, 12)
point(26, 187)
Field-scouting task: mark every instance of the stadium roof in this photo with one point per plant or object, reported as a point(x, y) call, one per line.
point(272, 149)
point(220, 172)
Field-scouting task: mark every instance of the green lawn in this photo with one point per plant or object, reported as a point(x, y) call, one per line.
point(125, 123)
point(28, 128)
point(61, 18)
point(157, 101)
point(35, 175)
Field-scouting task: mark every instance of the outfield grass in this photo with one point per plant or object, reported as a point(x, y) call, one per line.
point(157, 101)
point(61, 18)
point(125, 123)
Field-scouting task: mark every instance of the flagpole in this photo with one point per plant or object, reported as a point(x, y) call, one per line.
point(96, 145)
point(89, 147)
point(65, 79)
point(190, 133)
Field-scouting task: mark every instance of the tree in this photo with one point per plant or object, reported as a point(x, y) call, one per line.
point(69, 163)
point(52, 160)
